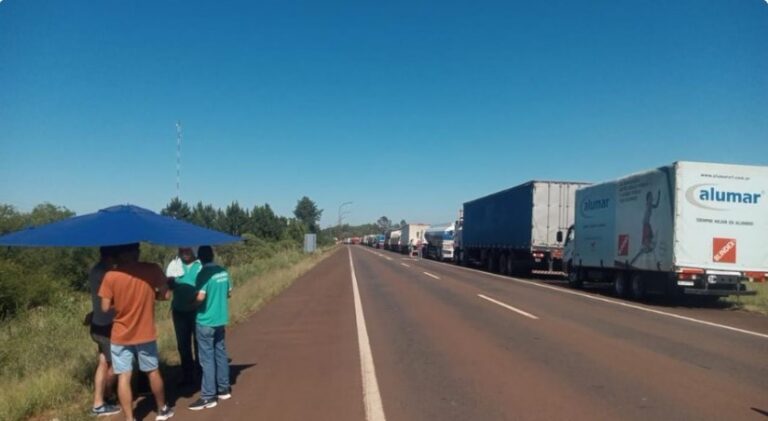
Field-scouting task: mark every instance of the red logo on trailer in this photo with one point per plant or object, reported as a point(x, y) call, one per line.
point(623, 244)
point(724, 250)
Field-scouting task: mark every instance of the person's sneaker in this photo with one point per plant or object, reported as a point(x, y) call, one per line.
point(225, 394)
point(203, 404)
point(164, 413)
point(104, 410)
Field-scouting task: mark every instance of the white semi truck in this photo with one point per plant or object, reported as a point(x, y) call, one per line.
point(439, 242)
point(690, 227)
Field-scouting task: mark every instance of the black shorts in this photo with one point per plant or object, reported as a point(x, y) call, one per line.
point(100, 335)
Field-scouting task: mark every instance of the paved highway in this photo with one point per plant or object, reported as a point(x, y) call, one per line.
point(369, 334)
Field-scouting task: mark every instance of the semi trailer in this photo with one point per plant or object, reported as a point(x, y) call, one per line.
point(412, 237)
point(519, 230)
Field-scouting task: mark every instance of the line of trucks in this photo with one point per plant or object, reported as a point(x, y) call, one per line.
point(686, 228)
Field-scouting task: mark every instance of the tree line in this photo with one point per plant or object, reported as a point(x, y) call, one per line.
point(38, 276)
point(260, 221)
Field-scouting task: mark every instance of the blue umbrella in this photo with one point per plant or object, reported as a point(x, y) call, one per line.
point(123, 224)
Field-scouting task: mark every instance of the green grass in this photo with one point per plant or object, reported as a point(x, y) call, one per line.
point(755, 303)
point(47, 358)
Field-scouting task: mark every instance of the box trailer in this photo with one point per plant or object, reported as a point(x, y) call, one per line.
point(690, 227)
point(412, 237)
point(519, 230)
point(438, 242)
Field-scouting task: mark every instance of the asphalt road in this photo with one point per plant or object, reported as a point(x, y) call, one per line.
point(448, 343)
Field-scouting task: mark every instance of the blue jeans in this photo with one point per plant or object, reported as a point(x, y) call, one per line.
point(213, 360)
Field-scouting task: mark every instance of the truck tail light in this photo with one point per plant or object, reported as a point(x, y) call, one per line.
point(689, 273)
point(756, 276)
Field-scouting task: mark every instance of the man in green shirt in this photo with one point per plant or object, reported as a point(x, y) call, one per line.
point(183, 272)
point(213, 291)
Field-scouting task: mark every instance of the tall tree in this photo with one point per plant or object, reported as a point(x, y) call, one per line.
point(265, 224)
point(383, 224)
point(236, 219)
point(204, 215)
point(177, 209)
point(307, 212)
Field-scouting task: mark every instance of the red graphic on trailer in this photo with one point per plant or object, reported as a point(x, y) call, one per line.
point(724, 250)
point(623, 244)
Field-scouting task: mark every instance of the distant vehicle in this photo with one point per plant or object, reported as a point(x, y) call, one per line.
point(355, 240)
point(380, 239)
point(690, 227)
point(519, 230)
point(438, 243)
point(393, 241)
point(412, 238)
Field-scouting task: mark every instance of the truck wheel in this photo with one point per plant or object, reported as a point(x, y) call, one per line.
point(503, 259)
point(575, 280)
point(638, 287)
point(621, 285)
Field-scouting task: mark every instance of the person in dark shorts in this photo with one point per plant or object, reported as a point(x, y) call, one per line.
point(101, 327)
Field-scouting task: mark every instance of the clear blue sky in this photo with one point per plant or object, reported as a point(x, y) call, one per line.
point(406, 108)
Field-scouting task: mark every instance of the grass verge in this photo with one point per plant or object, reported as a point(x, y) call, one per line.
point(754, 303)
point(47, 358)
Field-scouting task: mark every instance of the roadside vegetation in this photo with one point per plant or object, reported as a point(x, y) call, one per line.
point(47, 359)
point(754, 303)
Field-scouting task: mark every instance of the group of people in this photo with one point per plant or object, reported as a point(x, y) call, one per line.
point(122, 324)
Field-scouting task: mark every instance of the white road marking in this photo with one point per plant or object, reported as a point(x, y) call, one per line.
point(388, 258)
point(431, 275)
point(406, 265)
point(374, 410)
point(615, 302)
point(508, 307)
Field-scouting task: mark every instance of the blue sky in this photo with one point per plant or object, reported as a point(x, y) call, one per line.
point(406, 108)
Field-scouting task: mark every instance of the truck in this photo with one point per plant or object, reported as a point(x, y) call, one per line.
point(412, 237)
point(438, 243)
point(519, 230)
point(380, 239)
point(393, 240)
point(687, 228)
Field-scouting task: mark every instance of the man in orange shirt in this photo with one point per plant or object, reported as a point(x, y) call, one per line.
point(131, 288)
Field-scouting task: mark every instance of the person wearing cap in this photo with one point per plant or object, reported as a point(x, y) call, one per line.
point(100, 323)
point(182, 281)
point(131, 288)
point(213, 291)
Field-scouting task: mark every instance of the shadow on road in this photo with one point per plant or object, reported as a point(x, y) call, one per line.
point(172, 374)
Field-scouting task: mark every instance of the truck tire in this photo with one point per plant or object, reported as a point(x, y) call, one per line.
point(638, 286)
point(504, 264)
point(575, 279)
point(621, 285)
